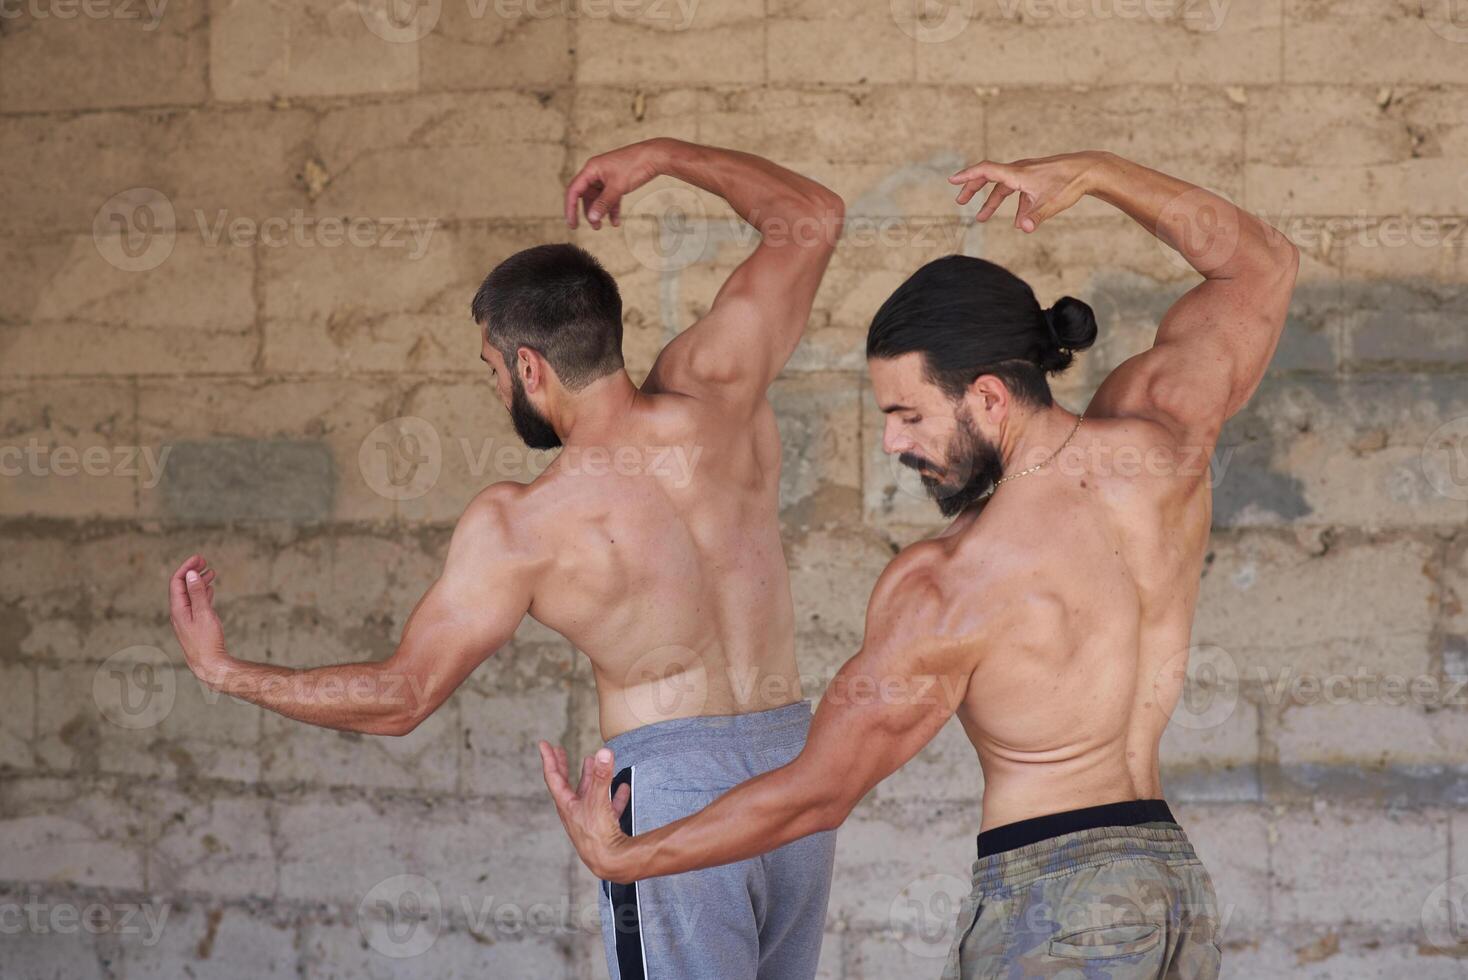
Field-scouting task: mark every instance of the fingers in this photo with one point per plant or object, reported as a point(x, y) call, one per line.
point(603, 766)
point(620, 799)
point(996, 198)
point(969, 189)
point(198, 590)
point(985, 171)
point(555, 779)
point(585, 777)
point(605, 203)
point(575, 191)
point(180, 600)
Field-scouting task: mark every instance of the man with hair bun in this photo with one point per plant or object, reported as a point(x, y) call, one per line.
point(1053, 615)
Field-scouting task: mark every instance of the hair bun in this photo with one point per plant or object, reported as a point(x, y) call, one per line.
point(1072, 326)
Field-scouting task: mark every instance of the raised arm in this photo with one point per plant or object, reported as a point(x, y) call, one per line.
point(883, 706)
point(468, 614)
point(759, 314)
point(1214, 344)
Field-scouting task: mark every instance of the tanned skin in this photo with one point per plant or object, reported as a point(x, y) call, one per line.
point(647, 568)
point(1053, 619)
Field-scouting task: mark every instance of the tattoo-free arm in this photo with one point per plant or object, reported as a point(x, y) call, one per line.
point(468, 614)
point(884, 705)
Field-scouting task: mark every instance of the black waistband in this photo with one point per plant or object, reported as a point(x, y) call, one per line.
point(1127, 813)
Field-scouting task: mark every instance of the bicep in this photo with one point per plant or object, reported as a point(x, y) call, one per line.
point(755, 323)
point(471, 611)
point(1211, 352)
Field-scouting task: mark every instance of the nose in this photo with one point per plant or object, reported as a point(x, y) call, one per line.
point(894, 441)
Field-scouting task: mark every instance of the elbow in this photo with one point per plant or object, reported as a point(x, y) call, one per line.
point(398, 724)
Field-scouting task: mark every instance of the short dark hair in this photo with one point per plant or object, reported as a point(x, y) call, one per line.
point(559, 301)
point(969, 317)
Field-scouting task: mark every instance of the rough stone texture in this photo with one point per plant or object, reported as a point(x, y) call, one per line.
point(241, 239)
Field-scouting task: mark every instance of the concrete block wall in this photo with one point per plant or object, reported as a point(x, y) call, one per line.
point(240, 241)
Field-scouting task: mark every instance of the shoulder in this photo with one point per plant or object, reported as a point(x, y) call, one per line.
point(495, 522)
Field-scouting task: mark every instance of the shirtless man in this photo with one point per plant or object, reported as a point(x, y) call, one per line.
point(1053, 615)
point(672, 580)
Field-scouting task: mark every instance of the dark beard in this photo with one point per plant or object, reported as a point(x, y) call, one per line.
point(533, 428)
point(973, 466)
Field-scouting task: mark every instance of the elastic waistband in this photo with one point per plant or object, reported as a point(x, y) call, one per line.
point(1127, 813)
point(1152, 835)
point(771, 728)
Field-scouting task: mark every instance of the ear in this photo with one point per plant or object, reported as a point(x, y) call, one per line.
point(989, 398)
point(531, 368)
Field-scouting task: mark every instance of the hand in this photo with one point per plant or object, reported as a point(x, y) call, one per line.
point(590, 814)
point(197, 626)
point(1046, 186)
point(606, 178)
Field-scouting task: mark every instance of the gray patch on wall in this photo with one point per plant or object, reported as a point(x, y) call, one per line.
point(249, 479)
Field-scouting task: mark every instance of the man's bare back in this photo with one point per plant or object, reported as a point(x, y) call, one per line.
point(662, 547)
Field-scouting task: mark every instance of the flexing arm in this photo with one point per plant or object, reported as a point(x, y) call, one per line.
point(1214, 344)
point(468, 614)
point(883, 706)
point(759, 314)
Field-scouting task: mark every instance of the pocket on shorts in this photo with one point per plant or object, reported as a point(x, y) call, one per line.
point(1107, 942)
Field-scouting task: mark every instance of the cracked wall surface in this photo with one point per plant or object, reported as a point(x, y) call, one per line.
point(240, 243)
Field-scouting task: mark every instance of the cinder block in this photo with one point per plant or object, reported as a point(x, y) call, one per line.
point(1048, 44)
point(423, 762)
point(887, 856)
point(17, 715)
point(70, 58)
point(84, 309)
point(230, 943)
point(263, 51)
point(1390, 43)
point(61, 830)
point(503, 44)
point(520, 696)
point(1382, 885)
point(213, 167)
point(726, 47)
point(1232, 841)
point(839, 51)
point(213, 844)
point(1354, 452)
point(70, 449)
point(482, 155)
point(820, 476)
point(345, 950)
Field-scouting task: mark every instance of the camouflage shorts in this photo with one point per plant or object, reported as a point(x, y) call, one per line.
point(1109, 903)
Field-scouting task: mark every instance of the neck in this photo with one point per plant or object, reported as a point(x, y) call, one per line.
point(593, 414)
point(1035, 438)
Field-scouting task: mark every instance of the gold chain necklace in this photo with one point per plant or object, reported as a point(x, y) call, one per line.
point(1015, 476)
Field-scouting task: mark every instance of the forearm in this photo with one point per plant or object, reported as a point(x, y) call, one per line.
point(776, 201)
point(371, 698)
point(1187, 217)
point(757, 816)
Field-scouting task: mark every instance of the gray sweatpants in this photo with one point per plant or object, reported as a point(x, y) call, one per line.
point(760, 919)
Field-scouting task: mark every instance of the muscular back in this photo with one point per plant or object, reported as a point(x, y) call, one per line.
point(1090, 575)
point(664, 564)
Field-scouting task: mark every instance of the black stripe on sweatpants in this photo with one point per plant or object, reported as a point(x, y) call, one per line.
point(625, 925)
